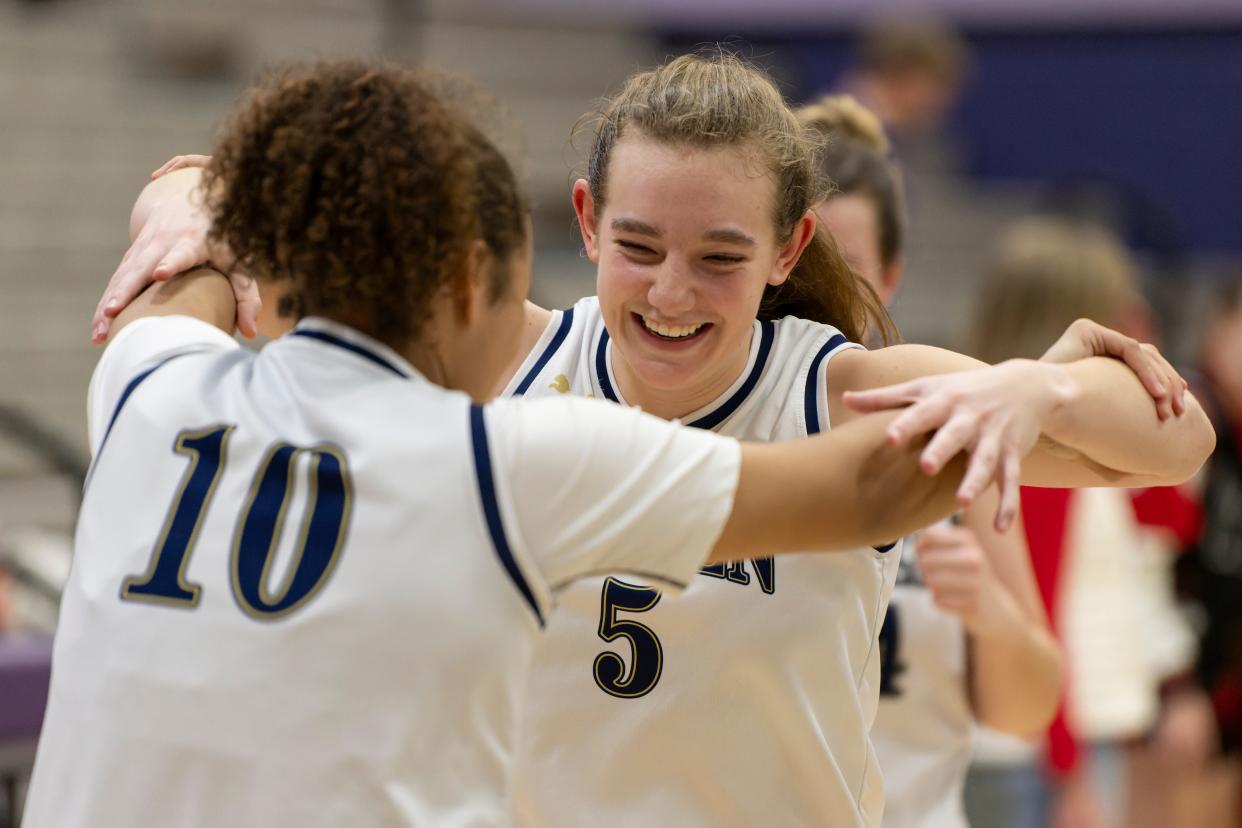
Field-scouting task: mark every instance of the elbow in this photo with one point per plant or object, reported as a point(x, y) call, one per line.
point(1195, 443)
point(1026, 710)
point(1204, 437)
point(1027, 722)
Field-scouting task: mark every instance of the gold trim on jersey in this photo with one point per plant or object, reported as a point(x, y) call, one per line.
point(608, 612)
point(277, 595)
point(195, 590)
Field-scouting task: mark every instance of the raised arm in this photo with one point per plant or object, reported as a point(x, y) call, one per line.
point(842, 489)
point(202, 294)
point(1102, 425)
point(168, 235)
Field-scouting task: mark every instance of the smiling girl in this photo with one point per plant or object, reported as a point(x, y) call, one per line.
point(720, 303)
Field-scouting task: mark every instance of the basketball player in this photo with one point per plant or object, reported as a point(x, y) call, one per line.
point(964, 587)
point(751, 703)
point(308, 582)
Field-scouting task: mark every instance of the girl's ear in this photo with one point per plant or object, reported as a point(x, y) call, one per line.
point(469, 289)
point(791, 252)
point(584, 208)
point(890, 280)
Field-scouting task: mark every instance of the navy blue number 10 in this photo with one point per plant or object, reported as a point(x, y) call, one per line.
point(259, 527)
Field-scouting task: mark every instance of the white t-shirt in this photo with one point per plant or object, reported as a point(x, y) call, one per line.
point(748, 700)
point(308, 583)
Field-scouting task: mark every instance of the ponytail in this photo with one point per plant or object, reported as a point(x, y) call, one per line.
point(822, 287)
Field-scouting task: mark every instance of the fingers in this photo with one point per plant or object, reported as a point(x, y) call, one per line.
point(1009, 484)
point(130, 278)
point(958, 433)
point(956, 588)
point(981, 471)
point(184, 255)
point(246, 291)
point(1173, 379)
point(941, 536)
point(178, 162)
point(920, 418)
point(1153, 372)
point(883, 399)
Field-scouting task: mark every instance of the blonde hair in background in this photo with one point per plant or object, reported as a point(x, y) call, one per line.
point(855, 160)
point(716, 100)
point(844, 116)
point(1048, 272)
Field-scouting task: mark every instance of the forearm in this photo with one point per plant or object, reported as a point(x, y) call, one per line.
point(1015, 676)
point(839, 490)
point(1110, 418)
point(203, 294)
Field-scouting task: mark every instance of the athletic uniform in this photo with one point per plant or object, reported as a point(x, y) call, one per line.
point(746, 702)
point(308, 583)
point(922, 732)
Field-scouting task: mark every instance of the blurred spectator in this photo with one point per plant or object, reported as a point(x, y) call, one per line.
point(910, 73)
point(1109, 597)
point(1211, 574)
point(1215, 566)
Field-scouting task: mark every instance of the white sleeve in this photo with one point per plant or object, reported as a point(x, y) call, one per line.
point(589, 487)
point(142, 344)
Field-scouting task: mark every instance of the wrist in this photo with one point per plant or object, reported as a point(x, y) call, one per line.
point(1060, 391)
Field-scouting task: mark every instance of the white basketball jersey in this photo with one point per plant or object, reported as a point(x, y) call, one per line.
point(747, 701)
point(922, 731)
point(308, 583)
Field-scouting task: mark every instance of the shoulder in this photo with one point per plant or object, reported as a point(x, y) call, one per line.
point(551, 341)
point(135, 352)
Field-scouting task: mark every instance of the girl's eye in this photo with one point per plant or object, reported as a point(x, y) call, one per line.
point(724, 258)
point(634, 247)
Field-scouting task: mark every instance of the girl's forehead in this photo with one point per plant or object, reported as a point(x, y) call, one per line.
point(679, 184)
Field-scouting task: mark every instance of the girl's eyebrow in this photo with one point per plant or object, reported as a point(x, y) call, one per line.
point(629, 225)
point(730, 237)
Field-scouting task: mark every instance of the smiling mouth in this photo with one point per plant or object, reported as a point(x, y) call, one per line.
point(671, 333)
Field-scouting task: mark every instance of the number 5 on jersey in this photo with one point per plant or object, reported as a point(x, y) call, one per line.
point(646, 654)
point(258, 531)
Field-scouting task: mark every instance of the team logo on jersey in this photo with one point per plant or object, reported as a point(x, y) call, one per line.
point(765, 573)
point(560, 384)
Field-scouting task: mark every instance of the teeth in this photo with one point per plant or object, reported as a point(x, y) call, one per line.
point(671, 331)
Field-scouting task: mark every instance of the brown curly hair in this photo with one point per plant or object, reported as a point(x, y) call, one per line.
point(363, 189)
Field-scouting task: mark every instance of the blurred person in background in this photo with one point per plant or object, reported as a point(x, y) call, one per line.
point(965, 637)
point(1211, 574)
point(911, 74)
point(1087, 549)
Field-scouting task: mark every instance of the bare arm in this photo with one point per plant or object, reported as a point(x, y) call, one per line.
point(1101, 424)
point(168, 235)
point(838, 490)
point(203, 294)
point(1103, 412)
point(1015, 667)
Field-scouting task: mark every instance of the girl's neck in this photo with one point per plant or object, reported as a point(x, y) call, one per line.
point(674, 403)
